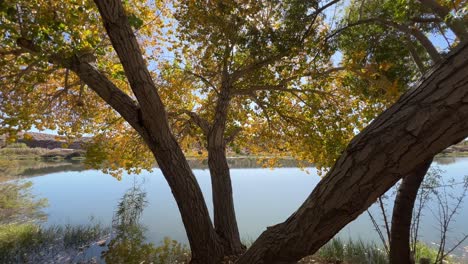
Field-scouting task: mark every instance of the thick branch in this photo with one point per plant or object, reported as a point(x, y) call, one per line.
point(457, 26)
point(283, 84)
point(125, 44)
point(400, 249)
point(414, 54)
point(199, 121)
point(231, 136)
point(423, 122)
point(98, 82)
point(422, 39)
point(110, 93)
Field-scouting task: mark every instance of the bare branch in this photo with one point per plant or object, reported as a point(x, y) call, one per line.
point(455, 247)
point(282, 86)
point(384, 214)
point(379, 232)
point(229, 138)
point(199, 121)
point(254, 66)
point(426, 20)
point(204, 80)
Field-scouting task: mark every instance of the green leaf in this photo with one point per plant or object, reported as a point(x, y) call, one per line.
point(135, 21)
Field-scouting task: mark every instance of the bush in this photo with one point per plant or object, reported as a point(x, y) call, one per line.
point(352, 252)
point(27, 243)
point(17, 145)
point(22, 151)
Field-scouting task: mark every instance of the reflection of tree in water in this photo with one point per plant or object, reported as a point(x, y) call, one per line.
point(18, 205)
point(11, 169)
point(128, 242)
point(445, 160)
point(24, 240)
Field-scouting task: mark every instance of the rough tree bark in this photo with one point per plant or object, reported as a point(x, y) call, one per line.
point(204, 242)
point(423, 122)
point(400, 250)
point(223, 203)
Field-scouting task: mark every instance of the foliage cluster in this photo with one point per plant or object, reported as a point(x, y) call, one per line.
point(31, 243)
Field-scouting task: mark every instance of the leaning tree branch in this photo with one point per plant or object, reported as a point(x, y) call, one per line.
point(97, 81)
point(204, 80)
point(422, 39)
point(232, 135)
point(199, 121)
point(125, 44)
point(236, 75)
point(423, 122)
point(283, 84)
point(315, 16)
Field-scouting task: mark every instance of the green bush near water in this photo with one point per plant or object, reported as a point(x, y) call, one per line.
point(359, 252)
point(21, 153)
point(353, 252)
point(17, 145)
point(21, 242)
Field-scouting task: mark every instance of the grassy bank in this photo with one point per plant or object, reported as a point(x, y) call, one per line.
point(19, 151)
point(359, 252)
point(31, 243)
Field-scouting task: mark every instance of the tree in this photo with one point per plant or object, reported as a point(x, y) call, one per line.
point(394, 22)
point(270, 54)
point(442, 9)
point(400, 248)
point(148, 117)
point(57, 48)
point(401, 139)
point(254, 53)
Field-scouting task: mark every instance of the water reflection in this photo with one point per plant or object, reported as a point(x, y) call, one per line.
point(263, 197)
point(128, 242)
point(11, 169)
point(445, 160)
point(18, 205)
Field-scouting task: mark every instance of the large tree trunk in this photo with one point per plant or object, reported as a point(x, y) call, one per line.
point(458, 26)
point(223, 203)
point(204, 243)
point(424, 121)
point(152, 124)
point(400, 250)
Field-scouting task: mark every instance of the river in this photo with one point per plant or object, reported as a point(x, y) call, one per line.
point(263, 197)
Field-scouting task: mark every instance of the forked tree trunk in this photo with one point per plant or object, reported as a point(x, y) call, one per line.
point(205, 245)
point(423, 122)
point(152, 124)
point(400, 250)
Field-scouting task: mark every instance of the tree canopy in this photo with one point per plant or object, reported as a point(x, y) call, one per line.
point(151, 80)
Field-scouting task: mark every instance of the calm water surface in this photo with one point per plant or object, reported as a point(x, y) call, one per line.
point(263, 197)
